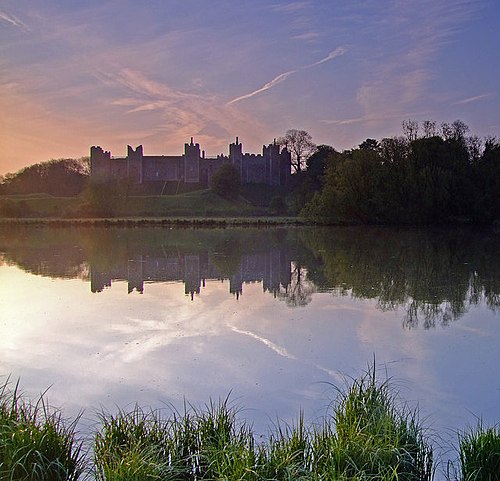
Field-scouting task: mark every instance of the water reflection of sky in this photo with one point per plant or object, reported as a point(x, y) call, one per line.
point(114, 349)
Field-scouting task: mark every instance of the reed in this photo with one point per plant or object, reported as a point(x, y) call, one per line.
point(36, 443)
point(479, 453)
point(198, 444)
point(369, 436)
point(376, 435)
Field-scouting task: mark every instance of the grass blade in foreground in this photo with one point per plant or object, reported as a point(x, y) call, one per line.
point(35, 442)
point(480, 454)
point(369, 436)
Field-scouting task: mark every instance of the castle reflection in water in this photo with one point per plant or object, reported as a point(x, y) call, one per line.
point(273, 268)
point(434, 276)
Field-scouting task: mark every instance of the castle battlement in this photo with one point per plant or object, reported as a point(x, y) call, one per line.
point(272, 167)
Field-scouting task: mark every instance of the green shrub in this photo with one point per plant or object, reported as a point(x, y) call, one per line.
point(226, 182)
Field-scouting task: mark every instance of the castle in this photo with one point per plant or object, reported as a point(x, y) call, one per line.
point(272, 167)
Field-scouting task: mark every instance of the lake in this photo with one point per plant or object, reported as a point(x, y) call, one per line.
point(275, 318)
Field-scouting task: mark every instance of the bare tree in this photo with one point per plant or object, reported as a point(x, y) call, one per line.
point(456, 131)
point(300, 145)
point(410, 129)
point(430, 129)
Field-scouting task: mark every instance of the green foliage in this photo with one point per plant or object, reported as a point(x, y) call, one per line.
point(369, 436)
point(480, 454)
point(226, 182)
point(35, 442)
point(102, 199)
point(417, 180)
point(317, 162)
point(59, 177)
point(198, 444)
point(378, 436)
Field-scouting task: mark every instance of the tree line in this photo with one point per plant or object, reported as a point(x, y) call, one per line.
point(57, 177)
point(429, 175)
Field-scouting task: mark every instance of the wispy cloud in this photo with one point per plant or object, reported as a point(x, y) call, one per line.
point(138, 83)
point(307, 36)
point(473, 99)
point(400, 77)
point(175, 113)
point(282, 77)
point(369, 119)
point(290, 7)
point(15, 21)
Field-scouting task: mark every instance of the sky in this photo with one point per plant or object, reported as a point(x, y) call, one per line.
point(78, 73)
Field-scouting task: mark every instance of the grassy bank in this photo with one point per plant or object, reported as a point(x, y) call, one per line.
point(201, 222)
point(202, 203)
point(369, 435)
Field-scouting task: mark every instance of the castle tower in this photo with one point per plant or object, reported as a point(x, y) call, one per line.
point(100, 163)
point(236, 156)
point(134, 164)
point(271, 154)
point(191, 162)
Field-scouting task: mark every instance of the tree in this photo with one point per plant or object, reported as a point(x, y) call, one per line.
point(103, 198)
point(369, 144)
point(429, 128)
point(226, 182)
point(61, 177)
point(410, 129)
point(300, 145)
point(316, 163)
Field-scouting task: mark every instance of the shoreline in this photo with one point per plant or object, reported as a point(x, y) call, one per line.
point(158, 221)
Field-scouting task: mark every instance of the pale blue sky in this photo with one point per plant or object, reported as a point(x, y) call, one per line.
point(117, 72)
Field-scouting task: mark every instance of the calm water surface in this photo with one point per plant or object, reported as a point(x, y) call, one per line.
point(275, 317)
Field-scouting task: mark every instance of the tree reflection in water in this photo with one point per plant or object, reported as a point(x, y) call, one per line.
point(434, 275)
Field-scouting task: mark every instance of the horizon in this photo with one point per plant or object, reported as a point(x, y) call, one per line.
point(114, 73)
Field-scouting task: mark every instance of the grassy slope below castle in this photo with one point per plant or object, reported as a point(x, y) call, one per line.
point(202, 203)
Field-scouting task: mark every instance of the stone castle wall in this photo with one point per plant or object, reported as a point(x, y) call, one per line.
point(272, 167)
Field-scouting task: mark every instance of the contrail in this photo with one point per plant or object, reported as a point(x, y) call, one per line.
point(282, 77)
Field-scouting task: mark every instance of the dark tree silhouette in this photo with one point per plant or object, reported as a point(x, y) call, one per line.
point(60, 177)
point(300, 145)
point(226, 182)
point(429, 179)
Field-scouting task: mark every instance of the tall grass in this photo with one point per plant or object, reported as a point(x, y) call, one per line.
point(198, 444)
point(36, 444)
point(377, 435)
point(479, 451)
point(368, 436)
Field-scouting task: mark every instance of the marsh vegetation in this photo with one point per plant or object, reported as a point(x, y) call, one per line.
point(369, 433)
point(36, 442)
